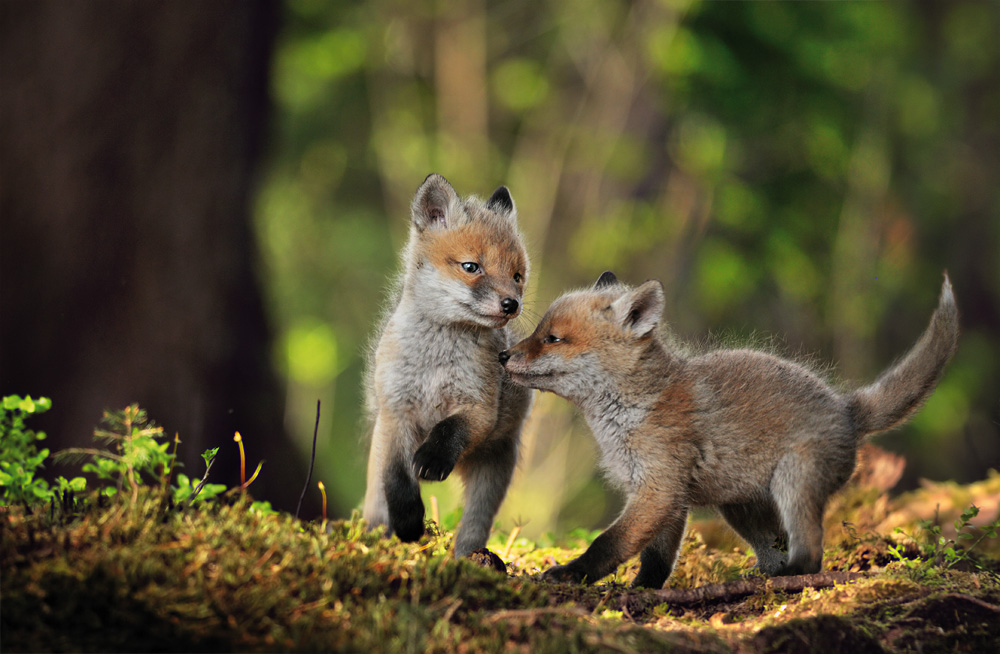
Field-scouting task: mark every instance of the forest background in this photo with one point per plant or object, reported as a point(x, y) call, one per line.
point(203, 206)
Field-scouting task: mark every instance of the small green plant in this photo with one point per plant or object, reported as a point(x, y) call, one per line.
point(946, 552)
point(187, 492)
point(20, 459)
point(136, 450)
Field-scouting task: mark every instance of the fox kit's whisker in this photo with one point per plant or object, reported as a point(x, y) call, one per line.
point(438, 398)
point(763, 439)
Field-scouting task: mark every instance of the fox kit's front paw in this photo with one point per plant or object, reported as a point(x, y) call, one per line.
point(436, 458)
point(433, 462)
point(567, 574)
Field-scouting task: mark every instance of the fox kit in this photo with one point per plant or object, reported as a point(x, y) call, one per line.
point(438, 397)
point(762, 438)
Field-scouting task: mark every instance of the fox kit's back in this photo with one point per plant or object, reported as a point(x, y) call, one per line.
point(439, 398)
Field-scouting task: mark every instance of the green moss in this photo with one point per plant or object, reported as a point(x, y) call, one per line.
point(143, 576)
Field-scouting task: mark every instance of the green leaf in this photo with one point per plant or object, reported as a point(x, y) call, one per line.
point(209, 455)
point(41, 492)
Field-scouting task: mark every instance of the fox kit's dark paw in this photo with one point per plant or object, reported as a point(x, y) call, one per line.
point(794, 569)
point(432, 462)
point(647, 579)
point(566, 574)
point(436, 458)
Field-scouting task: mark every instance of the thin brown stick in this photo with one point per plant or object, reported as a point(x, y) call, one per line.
point(531, 615)
point(510, 541)
point(312, 460)
point(734, 590)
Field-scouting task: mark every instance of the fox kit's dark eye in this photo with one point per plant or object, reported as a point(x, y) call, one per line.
point(470, 267)
point(517, 278)
point(552, 338)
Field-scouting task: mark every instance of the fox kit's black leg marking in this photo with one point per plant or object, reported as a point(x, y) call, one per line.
point(598, 561)
point(435, 459)
point(657, 558)
point(759, 525)
point(402, 494)
point(647, 513)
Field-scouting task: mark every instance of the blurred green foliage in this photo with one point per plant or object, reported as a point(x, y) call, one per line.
point(799, 169)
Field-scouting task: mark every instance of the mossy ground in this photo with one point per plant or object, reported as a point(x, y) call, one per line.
point(141, 577)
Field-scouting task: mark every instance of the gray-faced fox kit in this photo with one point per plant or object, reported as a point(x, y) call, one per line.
point(763, 439)
point(438, 398)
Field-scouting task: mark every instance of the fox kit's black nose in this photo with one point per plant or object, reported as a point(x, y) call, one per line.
point(509, 305)
point(504, 357)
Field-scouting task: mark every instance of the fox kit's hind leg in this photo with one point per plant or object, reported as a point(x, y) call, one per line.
point(657, 558)
point(486, 471)
point(392, 496)
point(759, 525)
point(800, 496)
point(487, 468)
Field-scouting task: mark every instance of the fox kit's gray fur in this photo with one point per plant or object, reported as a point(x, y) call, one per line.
point(438, 397)
point(763, 439)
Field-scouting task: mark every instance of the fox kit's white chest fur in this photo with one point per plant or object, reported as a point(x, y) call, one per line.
point(436, 368)
point(614, 421)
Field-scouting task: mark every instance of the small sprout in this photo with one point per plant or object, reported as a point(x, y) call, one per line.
point(254, 475)
point(209, 455)
point(322, 490)
point(243, 460)
point(244, 482)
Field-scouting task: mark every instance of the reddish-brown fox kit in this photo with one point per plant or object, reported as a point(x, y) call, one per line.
point(437, 396)
point(763, 439)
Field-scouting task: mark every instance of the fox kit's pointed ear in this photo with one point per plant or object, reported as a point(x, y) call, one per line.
point(501, 202)
point(639, 311)
point(436, 204)
point(607, 278)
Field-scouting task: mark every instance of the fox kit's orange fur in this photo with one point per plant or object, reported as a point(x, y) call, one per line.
point(438, 397)
point(763, 439)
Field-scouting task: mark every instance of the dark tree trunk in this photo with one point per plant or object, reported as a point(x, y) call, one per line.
point(129, 137)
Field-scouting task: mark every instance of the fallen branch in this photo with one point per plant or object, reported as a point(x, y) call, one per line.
point(734, 590)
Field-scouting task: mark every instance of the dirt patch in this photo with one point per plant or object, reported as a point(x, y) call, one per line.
point(824, 633)
point(950, 622)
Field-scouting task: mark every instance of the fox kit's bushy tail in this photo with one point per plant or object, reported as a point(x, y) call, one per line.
point(902, 388)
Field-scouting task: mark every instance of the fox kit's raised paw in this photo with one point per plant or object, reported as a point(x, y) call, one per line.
point(436, 457)
point(432, 463)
